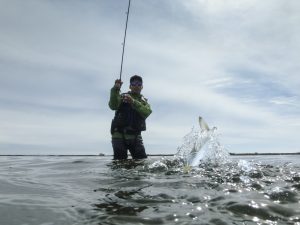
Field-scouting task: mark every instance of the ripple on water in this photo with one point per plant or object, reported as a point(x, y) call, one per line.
point(284, 196)
point(244, 210)
point(104, 192)
point(172, 190)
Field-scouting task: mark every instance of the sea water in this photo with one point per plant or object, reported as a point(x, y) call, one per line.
point(95, 190)
point(201, 184)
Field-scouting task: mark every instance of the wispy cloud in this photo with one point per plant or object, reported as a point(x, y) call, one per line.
point(234, 63)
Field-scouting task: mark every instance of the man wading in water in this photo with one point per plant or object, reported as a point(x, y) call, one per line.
point(132, 109)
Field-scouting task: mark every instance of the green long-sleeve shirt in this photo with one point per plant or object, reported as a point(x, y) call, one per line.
point(139, 104)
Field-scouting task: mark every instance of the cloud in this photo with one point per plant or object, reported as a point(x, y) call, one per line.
point(234, 63)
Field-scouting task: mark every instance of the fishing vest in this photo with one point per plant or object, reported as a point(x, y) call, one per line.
point(127, 120)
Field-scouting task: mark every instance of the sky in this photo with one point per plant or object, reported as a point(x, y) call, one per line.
point(235, 63)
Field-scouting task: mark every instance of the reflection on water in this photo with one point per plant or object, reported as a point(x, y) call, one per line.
point(96, 190)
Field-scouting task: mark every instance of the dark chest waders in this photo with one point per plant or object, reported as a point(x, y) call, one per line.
point(128, 121)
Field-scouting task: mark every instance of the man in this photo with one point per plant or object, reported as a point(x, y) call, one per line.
point(132, 109)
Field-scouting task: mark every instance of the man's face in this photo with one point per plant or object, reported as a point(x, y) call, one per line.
point(136, 86)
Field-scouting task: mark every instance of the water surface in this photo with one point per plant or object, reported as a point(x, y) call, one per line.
point(96, 190)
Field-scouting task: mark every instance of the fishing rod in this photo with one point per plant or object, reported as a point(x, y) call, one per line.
point(124, 40)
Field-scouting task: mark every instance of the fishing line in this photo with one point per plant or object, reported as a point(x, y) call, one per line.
point(124, 41)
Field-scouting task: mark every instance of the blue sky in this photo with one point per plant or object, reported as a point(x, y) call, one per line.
point(235, 63)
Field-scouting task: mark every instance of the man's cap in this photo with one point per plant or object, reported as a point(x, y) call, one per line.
point(136, 78)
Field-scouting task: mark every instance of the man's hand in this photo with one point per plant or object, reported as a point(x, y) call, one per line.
point(128, 99)
point(118, 84)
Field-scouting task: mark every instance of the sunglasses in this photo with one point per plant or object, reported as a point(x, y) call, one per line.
point(136, 83)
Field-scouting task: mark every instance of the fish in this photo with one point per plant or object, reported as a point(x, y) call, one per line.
point(196, 154)
point(203, 125)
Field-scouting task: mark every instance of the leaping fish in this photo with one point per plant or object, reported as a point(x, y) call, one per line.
point(203, 125)
point(195, 154)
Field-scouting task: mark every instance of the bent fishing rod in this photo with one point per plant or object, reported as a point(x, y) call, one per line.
point(124, 41)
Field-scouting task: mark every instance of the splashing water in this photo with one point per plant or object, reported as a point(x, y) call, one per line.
point(202, 145)
point(200, 148)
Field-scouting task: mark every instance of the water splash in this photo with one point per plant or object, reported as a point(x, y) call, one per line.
point(202, 146)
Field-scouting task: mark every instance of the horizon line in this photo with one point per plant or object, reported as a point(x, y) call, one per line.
point(103, 155)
